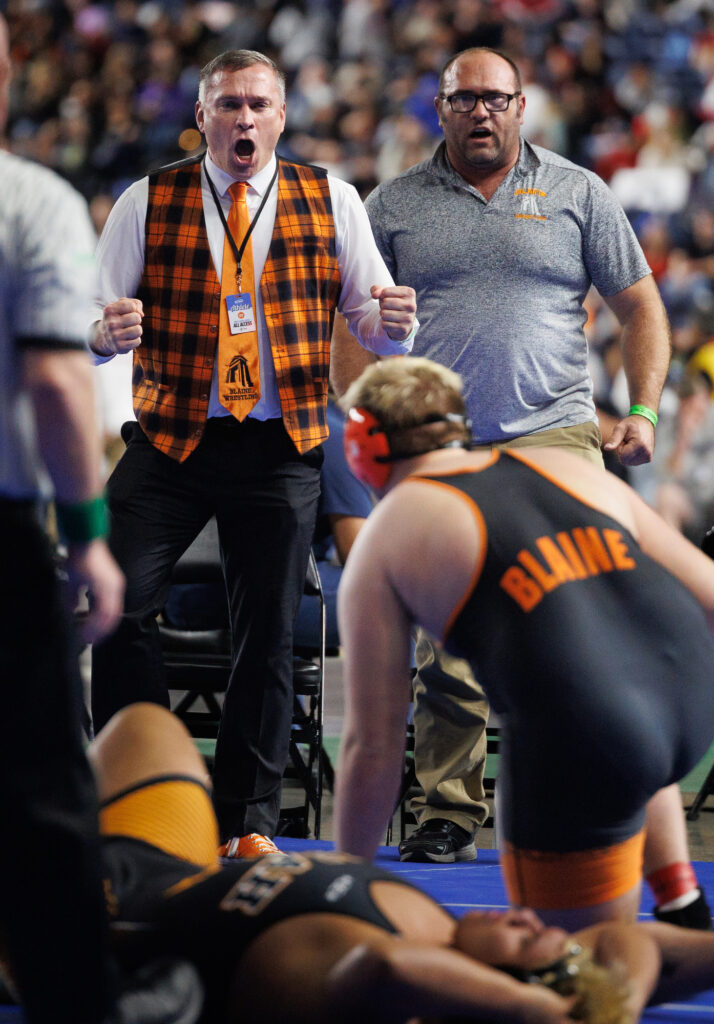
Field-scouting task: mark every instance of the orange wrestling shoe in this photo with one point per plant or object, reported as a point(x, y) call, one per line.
point(247, 847)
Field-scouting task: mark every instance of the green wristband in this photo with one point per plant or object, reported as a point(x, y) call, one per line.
point(642, 410)
point(81, 521)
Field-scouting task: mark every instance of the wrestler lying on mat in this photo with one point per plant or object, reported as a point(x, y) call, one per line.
point(297, 938)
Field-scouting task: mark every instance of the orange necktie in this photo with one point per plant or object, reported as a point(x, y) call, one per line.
point(238, 360)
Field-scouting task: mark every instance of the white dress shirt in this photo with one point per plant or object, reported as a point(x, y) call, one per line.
point(120, 257)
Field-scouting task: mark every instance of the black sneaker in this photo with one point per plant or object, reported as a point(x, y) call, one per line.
point(438, 840)
point(694, 915)
point(164, 992)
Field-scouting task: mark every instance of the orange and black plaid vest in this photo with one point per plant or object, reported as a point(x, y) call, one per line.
point(181, 290)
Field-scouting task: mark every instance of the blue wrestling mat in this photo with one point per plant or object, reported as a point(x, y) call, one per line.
point(478, 886)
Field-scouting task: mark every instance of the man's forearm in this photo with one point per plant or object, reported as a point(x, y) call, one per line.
point(645, 340)
point(646, 351)
point(61, 387)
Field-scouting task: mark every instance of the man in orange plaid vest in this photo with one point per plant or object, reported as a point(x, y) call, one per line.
point(222, 274)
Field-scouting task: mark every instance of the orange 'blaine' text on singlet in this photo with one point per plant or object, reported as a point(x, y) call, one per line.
point(570, 555)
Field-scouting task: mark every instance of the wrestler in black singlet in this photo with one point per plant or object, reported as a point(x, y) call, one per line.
point(598, 661)
point(161, 904)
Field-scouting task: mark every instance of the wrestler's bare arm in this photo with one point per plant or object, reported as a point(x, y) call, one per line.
point(375, 633)
point(405, 982)
point(403, 569)
point(426, 540)
point(334, 968)
point(687, 960)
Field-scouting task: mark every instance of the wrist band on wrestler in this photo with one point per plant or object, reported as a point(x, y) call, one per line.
point(81, 521)
point(642, 410)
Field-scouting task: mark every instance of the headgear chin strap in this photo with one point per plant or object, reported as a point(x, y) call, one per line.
point(367, 447)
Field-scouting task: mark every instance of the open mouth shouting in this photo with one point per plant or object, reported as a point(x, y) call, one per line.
point(244, 150)
point(480, 133)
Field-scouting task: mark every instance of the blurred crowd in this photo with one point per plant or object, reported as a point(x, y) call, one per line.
point(105, 91)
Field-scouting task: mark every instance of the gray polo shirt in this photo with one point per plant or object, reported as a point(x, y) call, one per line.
point(46, 283)
point(500, 285)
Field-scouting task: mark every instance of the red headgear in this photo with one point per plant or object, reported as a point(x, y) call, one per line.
point(367, 448)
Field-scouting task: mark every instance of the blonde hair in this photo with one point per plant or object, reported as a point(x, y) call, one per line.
point(602, 991)
point(408, 392)
point(411, 397)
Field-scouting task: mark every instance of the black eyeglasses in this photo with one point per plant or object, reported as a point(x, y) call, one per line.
point(494, 102)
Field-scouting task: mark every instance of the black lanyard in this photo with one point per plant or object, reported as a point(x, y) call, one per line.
point(238, 252)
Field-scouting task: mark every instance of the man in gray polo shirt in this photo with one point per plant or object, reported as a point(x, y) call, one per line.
point(501, 241)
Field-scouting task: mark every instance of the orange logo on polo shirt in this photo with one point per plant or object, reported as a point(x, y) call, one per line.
point(529, 203)
point(570, 555)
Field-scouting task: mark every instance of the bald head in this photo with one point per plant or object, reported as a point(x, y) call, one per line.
point(476, 53)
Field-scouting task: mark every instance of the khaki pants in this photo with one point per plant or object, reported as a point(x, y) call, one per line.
point(450, 708)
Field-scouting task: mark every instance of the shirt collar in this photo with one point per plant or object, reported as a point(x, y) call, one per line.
point(222, 181)
point(528, 159)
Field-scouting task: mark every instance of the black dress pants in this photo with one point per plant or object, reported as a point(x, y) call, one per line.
point(264, 496)
point(52, 911)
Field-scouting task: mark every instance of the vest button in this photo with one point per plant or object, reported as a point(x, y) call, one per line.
point(213, 329)
point(208, 362)
point(204, 395)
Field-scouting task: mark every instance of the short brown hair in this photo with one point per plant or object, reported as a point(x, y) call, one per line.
point(237, 60)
